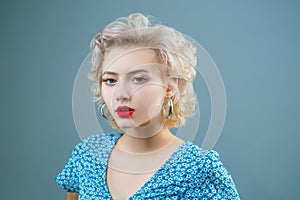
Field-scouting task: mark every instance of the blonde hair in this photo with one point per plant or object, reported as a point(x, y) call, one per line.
point(172, 49)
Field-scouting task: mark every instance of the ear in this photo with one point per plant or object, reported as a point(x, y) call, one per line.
point(171, 87)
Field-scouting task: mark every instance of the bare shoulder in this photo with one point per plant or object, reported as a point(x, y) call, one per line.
point(72, 196)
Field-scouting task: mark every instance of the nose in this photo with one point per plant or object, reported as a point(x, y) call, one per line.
point(122, 92)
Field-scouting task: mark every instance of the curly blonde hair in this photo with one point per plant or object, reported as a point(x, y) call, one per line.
point(172, 49)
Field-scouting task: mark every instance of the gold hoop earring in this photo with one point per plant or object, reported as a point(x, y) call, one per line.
point(101, 108)
point(170, 103)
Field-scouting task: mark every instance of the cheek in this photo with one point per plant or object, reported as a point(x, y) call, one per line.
point(106, 96)
point(149, 96)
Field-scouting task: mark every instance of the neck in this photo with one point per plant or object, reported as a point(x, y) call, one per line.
point(132, 141)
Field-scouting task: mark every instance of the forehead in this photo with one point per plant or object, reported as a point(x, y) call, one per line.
point(123, 60)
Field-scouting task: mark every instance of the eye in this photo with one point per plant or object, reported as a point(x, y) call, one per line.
point(139, 79)
point(109, 81)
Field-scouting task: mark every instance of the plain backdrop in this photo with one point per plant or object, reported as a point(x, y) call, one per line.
point(255, 45)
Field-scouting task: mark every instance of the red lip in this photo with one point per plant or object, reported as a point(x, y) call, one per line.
point(124, 111)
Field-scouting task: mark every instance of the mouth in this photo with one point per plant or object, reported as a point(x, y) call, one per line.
point(124, 111)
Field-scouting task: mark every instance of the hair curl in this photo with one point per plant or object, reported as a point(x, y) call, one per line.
point(172, 48)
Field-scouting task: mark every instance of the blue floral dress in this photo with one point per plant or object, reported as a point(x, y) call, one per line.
point(190, 173)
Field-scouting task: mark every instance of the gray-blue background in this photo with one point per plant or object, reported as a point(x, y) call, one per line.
point(255, 45)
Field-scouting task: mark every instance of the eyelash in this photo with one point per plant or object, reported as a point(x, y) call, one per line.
point(139, 77)
point(106, 81)
point(112, 81)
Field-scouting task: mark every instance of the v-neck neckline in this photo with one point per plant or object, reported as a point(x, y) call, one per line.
point(149, 180)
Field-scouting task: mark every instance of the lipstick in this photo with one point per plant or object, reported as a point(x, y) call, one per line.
point(124, 111)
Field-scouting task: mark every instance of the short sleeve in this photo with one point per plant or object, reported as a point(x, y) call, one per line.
point(68, 178)
point(221, 181)
point(213, 181)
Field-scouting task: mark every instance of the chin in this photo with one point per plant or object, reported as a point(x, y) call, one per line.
point(131, 124)
point(126, 124)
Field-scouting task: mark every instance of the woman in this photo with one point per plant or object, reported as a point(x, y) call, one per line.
point(144, 76)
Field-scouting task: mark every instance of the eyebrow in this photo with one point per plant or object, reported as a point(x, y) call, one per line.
point(129, 73)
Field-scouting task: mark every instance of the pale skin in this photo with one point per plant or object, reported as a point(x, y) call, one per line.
point(115, 94)
point(72, 196)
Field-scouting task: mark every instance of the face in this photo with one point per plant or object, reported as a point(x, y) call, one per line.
point(132, 87)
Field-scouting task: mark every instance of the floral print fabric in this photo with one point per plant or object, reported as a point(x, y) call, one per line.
point(190, 173)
